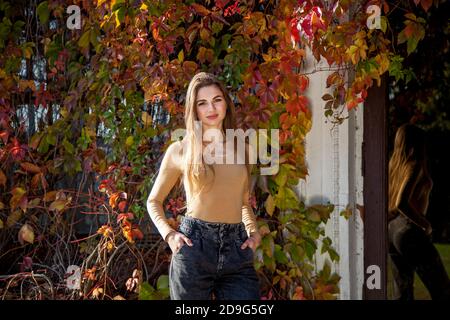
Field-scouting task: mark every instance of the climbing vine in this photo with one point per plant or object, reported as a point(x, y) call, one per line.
point(86, 112)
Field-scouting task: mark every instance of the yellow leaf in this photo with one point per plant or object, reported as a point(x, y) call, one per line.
point(84, 39)
point(143, 7)
point(1, 224)
point(64, 112)
point(33, 203)
point(58, 205)
point(100, 2)
point(18, 192)
point(270, 205)
point(129, 142)
point(13, 218)
point(146, 119)
point(26, 234)
point(18, 198)
point(181, 56)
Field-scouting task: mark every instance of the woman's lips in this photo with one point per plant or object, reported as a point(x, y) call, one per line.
point(212, 117)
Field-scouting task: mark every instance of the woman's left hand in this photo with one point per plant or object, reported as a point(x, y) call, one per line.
point(253, 241)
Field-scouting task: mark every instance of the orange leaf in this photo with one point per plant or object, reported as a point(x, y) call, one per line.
point(122, 205)
point(124, 217)
point(426, 4)
point(113, 200)
point(137, 234)
point(105, 230)
point(35, 180)
point(4, 136)
point(27, 166)
point(126, 230)
point(50, 196)
point(201, 10)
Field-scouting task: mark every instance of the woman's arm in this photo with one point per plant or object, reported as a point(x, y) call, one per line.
point(409, 185)
point(248, 216)
point(169, 172)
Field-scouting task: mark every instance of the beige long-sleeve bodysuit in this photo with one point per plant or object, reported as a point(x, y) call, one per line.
point(225, 200)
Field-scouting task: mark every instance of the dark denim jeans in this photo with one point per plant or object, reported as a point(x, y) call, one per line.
point(411, 250)
point(215, 264)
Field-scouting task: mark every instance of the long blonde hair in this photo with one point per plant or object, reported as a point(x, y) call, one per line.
point(195, 170)
point(408, 158)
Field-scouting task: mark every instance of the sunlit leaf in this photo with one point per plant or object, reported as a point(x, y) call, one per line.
point(26, 234)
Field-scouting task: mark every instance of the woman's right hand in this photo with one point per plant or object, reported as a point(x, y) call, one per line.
point(176, 240)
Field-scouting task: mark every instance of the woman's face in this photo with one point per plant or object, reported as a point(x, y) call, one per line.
point(211, 107)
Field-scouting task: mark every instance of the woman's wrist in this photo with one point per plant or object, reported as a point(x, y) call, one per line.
point(170, 234)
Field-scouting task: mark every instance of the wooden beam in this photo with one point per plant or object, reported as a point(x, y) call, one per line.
point(375, 172)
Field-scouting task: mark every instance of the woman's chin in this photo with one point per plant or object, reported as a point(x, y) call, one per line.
point(212, 123)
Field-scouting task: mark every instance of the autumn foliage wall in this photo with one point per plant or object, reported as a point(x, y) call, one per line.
point(86, 113)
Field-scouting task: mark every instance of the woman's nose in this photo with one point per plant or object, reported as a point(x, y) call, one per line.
point(211, 106)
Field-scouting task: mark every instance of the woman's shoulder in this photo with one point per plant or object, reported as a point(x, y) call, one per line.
point(174, 154)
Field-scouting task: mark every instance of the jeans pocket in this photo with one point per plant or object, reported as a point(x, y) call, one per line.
point(179, 250)
point(247, 252)
point(186, 250)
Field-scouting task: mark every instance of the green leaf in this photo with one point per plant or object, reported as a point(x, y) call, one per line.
point(280, 256)
point(383, 23)
point(274, 121)
point(310, 248)
point(281, 177)
point(269, 205)
point(51, 139)
point(326, 271)
point(43, 146)
point(117, 5)
point(84, 39)
point(129, 141)
point(297, 253)
point(120, 16)
point(42, 12)
point(333, 255)
point(93, 36)
point(412, 45)
point(57, 205)
point(163, 286)
point(163, 282)
point(68, 146)
point(146, 291)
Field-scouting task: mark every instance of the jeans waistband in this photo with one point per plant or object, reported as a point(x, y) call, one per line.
point(191, 226)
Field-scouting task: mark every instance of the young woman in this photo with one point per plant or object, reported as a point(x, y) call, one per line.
point(410, 246)
point(213, 248)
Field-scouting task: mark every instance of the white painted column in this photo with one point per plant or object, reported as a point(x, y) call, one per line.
point(333, 156)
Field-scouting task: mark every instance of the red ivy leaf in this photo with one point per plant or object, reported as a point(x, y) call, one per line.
point(222, 3)
point(426, 4)
point(122, 205)
point(137, 234)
